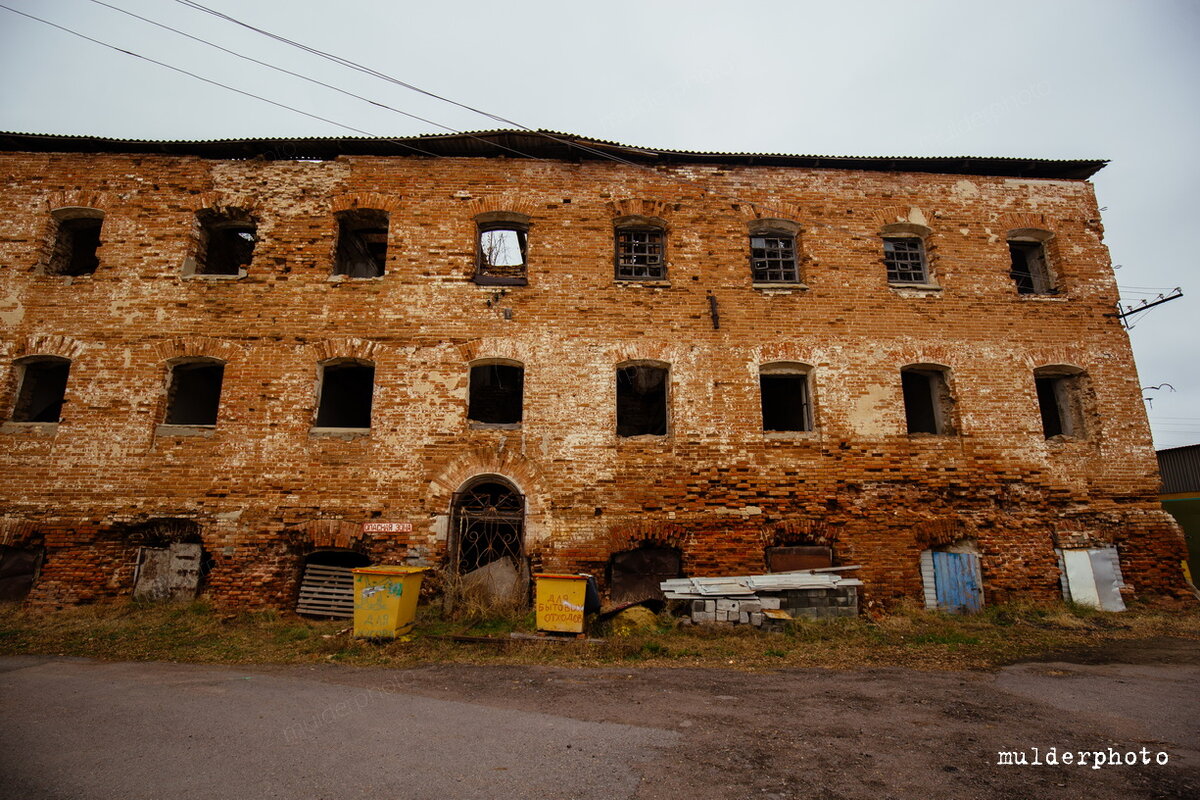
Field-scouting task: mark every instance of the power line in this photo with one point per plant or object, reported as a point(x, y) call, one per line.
point(308, 79)
point(209, 80)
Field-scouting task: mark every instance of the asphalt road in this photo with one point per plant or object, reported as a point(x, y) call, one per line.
point(73, 728)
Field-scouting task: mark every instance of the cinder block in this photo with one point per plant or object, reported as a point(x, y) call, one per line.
point(698, 605)
point(744, 617)
point(756, 619)
point(703, 617)
point(710, 606)
point(751, 606)
point(725, 604)
point(770, 602)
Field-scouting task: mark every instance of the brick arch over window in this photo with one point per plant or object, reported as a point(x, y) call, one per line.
point(365, 200)
point(347, 348)
point(523, 473)
point(57, 201)
point(641, 207)
point(884, 218)
point(51, 345)
point(16, 531)
point(646, 533)
point(509, 202)
point(797, 532)
point(750, 213)
point(321, 533)
point(495, 348)
point(188, 347)
point(227, 203)
point(941, 531)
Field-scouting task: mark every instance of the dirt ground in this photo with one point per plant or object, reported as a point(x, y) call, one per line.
point(876, 733)
point(81, 728)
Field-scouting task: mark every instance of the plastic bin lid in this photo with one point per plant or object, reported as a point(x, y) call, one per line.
point(387, 569)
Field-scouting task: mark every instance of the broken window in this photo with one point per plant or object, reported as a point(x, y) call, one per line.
point(346, 391)
point(76, 241)
point(786, 403)
point(502, 248)
point(194, 392)
point(362, 243)
point(496, 393)
point(1030, 270)
point(773, 251)
point(928, 407)
point(905, 259)
point(42, 386)
point(641, 249)
point(1060, 399)
point(226, 242)
point(642, 400)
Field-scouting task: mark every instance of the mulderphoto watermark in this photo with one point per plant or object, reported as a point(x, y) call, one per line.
point(1096, 759)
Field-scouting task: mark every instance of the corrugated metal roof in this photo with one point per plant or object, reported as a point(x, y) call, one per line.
point(540, 144)
point(1180, 468)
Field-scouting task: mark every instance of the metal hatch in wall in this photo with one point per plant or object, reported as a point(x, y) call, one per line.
point(327, 586)
point(168, 573)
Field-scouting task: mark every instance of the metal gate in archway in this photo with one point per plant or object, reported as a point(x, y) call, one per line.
point(488, 524)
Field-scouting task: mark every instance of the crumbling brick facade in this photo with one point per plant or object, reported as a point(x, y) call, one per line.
point(265, 486)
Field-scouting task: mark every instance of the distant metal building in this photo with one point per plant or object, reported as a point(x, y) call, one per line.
point(1180, 469)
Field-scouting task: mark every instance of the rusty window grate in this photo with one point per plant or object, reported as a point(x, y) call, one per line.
point(640, 254)
point(773, 259)
point(489, 523)
point(905, 260)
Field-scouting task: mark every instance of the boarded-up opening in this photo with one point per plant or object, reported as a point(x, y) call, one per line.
point(496, 394)
point(43, 388)
point(953, 578)
point(18, 571)
point(642, 400)
point(1092, 577)
point(75, 246)
point(362, 243)
point(327, 584)
point(791, 558)
point(347, 389)
point(636, 574)
point(195, 392)
point(170, 573)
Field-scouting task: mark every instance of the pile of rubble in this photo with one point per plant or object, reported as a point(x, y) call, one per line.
point(767, 601)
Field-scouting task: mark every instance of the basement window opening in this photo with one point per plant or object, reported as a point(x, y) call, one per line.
point(194, 392)
point(928, 406)
point(226, 243)
point(43, 388)
point(786, 403)
point(346, 392)
point(362, 243)
point(496, 394)
point(642, 400)
point(76, 242)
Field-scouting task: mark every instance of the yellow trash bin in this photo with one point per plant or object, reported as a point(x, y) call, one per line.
point(560, 602)
point(385, 600)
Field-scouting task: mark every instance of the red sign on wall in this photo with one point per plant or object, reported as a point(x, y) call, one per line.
point(387, 527)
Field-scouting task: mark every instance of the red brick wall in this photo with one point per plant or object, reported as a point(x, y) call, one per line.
point(265, 491)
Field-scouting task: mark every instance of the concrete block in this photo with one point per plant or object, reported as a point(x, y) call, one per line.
point(756, 619)
point(751, 606)
point(703, 617)
point(744, 617)
point(698, 605)
point(770, 602)
point(710, 606)
point(725, 604)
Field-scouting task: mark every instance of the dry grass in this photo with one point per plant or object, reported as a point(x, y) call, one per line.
point(909, 637)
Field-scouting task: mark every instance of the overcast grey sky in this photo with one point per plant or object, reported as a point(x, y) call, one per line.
point(1094, 79)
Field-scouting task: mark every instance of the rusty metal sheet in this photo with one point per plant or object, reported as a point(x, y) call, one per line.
point(790, 559)
point(168, 573)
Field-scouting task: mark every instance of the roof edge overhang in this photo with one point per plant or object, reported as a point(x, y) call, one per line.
point(540, 144)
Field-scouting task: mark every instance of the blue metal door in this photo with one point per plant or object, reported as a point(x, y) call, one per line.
point(956, 578)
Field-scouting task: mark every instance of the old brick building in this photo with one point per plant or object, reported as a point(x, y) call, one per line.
point(447, 349)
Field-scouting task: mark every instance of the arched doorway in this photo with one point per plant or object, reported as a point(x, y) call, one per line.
point(487, 525)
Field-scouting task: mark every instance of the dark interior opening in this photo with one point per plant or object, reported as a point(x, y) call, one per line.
point(785, 405)
point(337, 558)
point(362, 243)
point(346, 393)
point(1029, 271)
point(489, 525)
point(195, 393)
point(496, 394)
point(1050, 405)
point(227, 245)
point(635, 575)
point(75, 247)
point(919, 407)
point(43, 388)
point(642, 401)
point(18, 570)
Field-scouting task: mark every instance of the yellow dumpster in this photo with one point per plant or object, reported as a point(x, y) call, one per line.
point(385, 600)
point(560, 602)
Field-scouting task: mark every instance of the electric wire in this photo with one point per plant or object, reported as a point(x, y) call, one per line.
point(311, 80)
point(210, 80)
